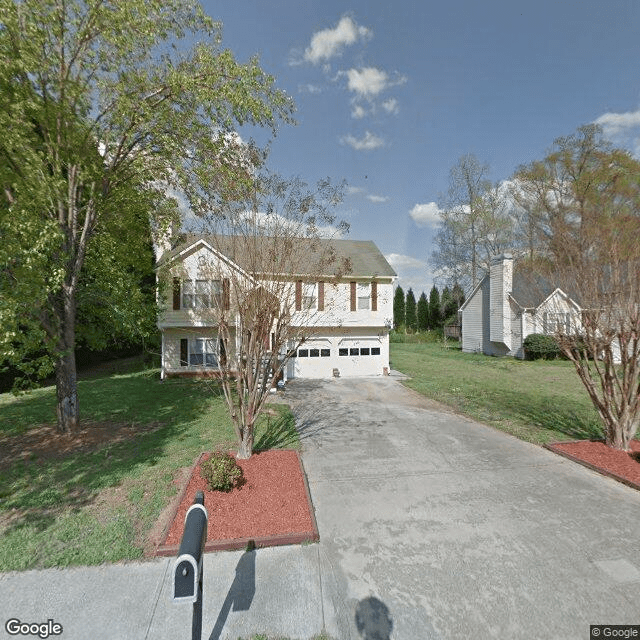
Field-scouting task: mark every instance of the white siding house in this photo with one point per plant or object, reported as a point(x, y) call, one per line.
point(351, 317)
point(504, 308)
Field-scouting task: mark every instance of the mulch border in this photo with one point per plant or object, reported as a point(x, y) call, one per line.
point(551, 447)
point(231, 544)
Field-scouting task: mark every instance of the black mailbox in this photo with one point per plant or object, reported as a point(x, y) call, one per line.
point(187, 574)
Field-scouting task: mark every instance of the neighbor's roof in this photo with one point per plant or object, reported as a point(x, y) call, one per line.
point(530, 289)
point(364, 258)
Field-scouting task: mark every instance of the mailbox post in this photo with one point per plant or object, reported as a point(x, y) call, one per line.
point(188, 567)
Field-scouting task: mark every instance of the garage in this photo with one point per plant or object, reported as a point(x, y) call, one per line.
point(349, 356)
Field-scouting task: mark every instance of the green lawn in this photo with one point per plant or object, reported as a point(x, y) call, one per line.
point(540, 401)
point(97, 506)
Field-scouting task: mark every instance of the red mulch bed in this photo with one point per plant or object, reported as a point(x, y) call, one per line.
point(620, 465)
point(272, 507)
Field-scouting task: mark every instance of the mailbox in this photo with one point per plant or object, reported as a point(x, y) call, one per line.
point(187, 576)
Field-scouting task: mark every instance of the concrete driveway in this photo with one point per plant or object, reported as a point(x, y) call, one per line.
point(434, 526)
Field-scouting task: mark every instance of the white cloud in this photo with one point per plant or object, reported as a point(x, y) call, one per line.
point(425, 215)
point(374, 198)
point(616, 123)
point(412, 273)
point(368, 142)
point(366, 82)
point(400, 262)
point(391, 106)
point(622, 128)
point(351, 191)
point(358, 112)
point(327, 43)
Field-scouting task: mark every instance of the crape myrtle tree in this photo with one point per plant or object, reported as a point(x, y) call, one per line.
point(281, 238)
point(104, 107)
point(398, 309)
point(586, 197)
point(411, 316)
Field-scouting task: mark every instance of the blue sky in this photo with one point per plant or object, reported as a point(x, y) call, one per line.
point(390, 95)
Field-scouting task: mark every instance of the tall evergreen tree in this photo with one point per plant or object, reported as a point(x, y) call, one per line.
point(423, 313)
point(448, 306)
point(398, 308)
point(434, 308)
point(410, 311)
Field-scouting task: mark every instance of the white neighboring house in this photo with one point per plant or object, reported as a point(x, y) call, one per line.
point(350, 332)
point(504, 308)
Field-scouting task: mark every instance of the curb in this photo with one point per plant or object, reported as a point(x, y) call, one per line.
point(588, 465)
point(232, 544)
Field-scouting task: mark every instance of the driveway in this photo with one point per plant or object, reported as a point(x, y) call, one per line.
point(435, 526)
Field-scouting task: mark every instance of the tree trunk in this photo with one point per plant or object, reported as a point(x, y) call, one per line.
point(66, 379)
point(67, 393)
point(245, 450)
point(619, 433)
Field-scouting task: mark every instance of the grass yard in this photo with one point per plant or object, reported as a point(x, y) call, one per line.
point(540, 401)
point(99, 502)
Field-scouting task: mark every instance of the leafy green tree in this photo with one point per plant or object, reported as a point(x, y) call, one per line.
point(435, 314)
point(423, 313)
point(411, 315)
point(398, 308)
point(103, 108)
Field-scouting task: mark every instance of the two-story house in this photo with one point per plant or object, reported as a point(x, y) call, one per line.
point(345, 321)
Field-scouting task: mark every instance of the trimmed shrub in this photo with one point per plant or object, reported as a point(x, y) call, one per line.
point(222, 472)
point(539, 345)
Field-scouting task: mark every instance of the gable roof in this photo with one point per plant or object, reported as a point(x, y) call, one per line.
point(528, 289)
point(364, 258)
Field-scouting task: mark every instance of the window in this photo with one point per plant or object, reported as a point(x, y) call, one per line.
point(325, 353)
point(314, 353)
point(309, 296)
point(343, 352)
point(303, 353)
point(354, 352)
point(363, 290)
point(201, 294)
point(375, 351)
point(556, 323)
point(198, 352)
point(364, 351)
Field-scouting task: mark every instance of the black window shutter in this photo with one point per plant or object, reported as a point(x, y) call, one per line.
point(226, 294)
point(184, 352)
point(176, 294)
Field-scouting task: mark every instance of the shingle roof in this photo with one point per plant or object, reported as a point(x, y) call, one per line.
point(530, 289)
point(364, 258)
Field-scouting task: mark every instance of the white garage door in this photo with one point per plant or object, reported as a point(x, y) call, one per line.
point(359, 357)
point(314, 359)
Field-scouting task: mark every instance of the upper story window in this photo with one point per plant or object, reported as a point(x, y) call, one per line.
point(197, 294)
point(363, 291)
point(309, 296)
point(364, 296)
point(201, 294)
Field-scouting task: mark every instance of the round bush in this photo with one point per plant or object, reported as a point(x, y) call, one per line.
point(222, 472)
point(539, 345)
